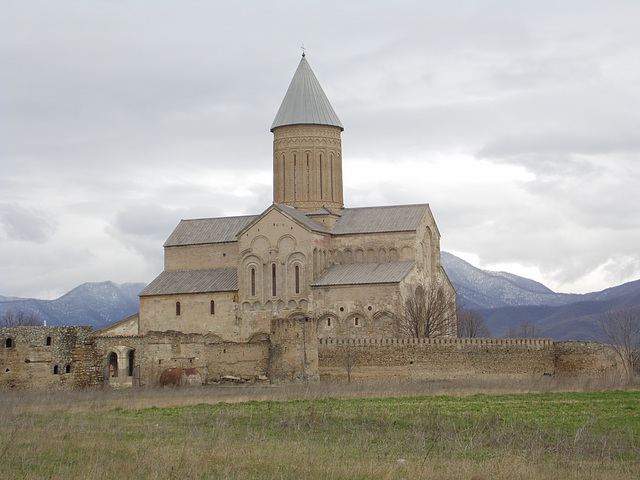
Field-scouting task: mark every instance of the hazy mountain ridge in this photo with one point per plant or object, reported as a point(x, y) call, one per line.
point(505, 300)
point(93, 304)
point(485, 289)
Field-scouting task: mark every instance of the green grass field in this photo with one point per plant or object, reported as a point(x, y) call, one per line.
point(590, 435)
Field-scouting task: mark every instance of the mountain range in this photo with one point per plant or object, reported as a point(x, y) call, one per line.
point(94, 304)
point(503, 299)
point(507, 300)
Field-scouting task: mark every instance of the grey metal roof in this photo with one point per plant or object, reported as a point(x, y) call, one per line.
point(395, 218)
point(208, 230)
point(324, 211)
point(305, 101)
point(364, 273)
point(301, 218)
point(193, 281)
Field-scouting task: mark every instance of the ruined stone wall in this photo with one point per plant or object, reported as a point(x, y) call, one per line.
point(47, 357)
point(294, 350)
point(214, 358)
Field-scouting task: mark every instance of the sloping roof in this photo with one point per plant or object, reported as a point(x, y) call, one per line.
point(208, 230)
point(305, 102)
point(364, 273)
point(193, 281)
point(324, 211)
point(301, 218)
point(395, 218)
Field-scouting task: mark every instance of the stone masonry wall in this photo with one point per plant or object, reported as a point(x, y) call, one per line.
point(214, 358)
point(434, 359)
point(575, 358)
point(46, 357)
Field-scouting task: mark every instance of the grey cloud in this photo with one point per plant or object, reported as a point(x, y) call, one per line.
point(139, 115)
point(28, 224)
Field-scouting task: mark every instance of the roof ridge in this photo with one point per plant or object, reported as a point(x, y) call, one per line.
point(389, 206)
point(216, 218)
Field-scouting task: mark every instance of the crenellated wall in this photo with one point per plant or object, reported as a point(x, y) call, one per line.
point(72, 357)
point(393, 359)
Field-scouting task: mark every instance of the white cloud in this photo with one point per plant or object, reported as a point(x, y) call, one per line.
point(516, 121)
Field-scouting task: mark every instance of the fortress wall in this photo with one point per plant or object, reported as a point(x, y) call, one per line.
point(294, 350)
point(46, 357)
point(574, 358)
point(158, 351)
point(433, 359)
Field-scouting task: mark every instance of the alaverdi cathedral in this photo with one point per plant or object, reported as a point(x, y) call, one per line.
point(305, 255)
point(306, 290)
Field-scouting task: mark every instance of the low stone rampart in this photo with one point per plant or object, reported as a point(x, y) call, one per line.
point(412, 359)
point(577, 358)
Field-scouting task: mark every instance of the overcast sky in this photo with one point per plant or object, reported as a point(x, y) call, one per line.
point(518, 122)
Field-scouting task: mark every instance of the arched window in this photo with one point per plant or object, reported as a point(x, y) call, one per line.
point(177, 308)
point(273, 279)
point(8, 343)
point(113, 364)
point(297, 275)
point(213, 307)
point(48, 341)
point(67, 368)
point(328, 322)
point(321, 195)
point(331, 169)
point(284, 179)
point(130, 358)
point(55, 369)
point(295, 177)
point(308, 180)
point(253, 282)
point(356, 321)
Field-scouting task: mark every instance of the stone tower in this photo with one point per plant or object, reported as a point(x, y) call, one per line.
point(307, 148)
point(293, 355)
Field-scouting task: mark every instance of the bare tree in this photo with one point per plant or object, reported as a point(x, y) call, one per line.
point(525, 330)
point(621, 328)
point(428, 313)
point(472, 325)
point(349, 360)
point(20, 319)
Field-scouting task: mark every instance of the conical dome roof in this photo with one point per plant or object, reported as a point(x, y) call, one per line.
point(305, 102)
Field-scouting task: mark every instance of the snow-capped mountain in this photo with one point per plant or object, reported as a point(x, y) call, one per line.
point(506, 300)
point(485, 289)
point(93, 304)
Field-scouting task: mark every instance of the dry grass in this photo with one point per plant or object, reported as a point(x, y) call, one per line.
point(444, 430)
point(100, 399)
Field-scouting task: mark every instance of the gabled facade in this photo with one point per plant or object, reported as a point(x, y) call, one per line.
point(350, 269)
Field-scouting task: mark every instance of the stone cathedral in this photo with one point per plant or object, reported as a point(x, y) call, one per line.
point(307, 290)
point(306, 255)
